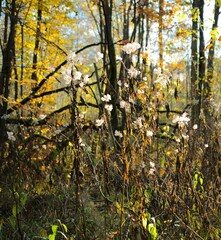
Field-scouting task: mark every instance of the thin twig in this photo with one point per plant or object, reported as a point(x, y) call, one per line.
point(187, 226)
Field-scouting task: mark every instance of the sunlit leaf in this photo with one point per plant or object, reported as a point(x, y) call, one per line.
point(144, 221)
point(70, 144)
point(14, 211)
point(152, 230)
point(23, 199)
point(65, 227)
point(51, 237)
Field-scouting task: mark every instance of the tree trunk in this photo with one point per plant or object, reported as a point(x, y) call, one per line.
point(210, 166)
point(202, 60)
point(7, 65)
point(194, 61)
point(37, 43)
point(112, 71)
point(160, 34)
point(207, 83)
point(126, 62)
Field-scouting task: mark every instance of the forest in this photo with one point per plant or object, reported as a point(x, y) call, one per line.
point(110, 120)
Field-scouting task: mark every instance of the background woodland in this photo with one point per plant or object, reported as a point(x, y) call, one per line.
point(110, 119)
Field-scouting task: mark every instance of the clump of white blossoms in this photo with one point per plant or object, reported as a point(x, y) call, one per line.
point(106, 98)
point(81, 142)
point(138, 123)
point(140, 91)
point(121, 84)
point(44, 146)
point(99, 122)
point(131, 100)
point(118, 58)
point(131, 47)
point(67, 74)
point(71, 58)
point(108, 107)
point(70, 74)
point(42, 116)
point(58, 131)
point(149, 133)
point(144, 79)
point(11, 136)
point(125, 105)
point(152, 168)
point(133, 72)
point(162, 79)
point(118, 134)
point(157, 71)
point(185, 136)
point(86, 79)
point(77, 76)
point(181, 120)
point(176, 151)
point(4, 116)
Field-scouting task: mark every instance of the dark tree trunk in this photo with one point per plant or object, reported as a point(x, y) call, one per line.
point(194, 61)
point(22, 59)
point(207, 83)
point(210, 166)
point(160, 34)
point(7, 65)
point(112, 71)
point(37, 43)
point(202, 60)
point(126, 63)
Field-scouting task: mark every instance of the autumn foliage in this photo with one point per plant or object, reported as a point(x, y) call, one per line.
point(110, 120)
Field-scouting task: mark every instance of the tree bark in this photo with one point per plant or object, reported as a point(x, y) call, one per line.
point(34, 75)
point(194, 60)
point(210, 62)
point(107, 6)
point(160, 33)
point(210, 165)
point(6, 71)
point(202, 59)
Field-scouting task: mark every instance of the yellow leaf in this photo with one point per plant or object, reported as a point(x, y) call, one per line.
point(214, 33)
point(208, 47)
point(45, 130)
point(39, 187)
point(120, 209)
point(70, 144)
point(42, 168)
point(144, 221)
